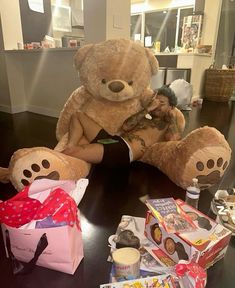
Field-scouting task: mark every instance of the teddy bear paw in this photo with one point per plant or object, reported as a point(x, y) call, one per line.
point(213, 169)
point(208, 168)
point(36, 163)
point(40, 168)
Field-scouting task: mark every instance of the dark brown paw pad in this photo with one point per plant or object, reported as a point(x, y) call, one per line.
point(31, 173)
point(216, 167)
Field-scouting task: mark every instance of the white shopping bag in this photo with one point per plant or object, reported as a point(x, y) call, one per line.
point(183, 92)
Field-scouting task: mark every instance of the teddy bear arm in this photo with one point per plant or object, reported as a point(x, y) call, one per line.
point(4, 175)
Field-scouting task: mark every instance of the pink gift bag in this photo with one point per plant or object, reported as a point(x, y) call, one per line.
point(41, 225)
point(63, 253)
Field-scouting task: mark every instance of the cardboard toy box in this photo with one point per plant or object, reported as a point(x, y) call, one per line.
point(205, 245)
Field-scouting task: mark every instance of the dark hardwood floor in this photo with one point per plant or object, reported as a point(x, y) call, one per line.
point(111, 194)
point(25, 130)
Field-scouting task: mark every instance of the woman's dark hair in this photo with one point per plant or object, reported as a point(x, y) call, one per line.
point(169, 93)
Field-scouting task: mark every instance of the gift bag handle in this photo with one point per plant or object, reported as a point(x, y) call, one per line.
point(19, 268)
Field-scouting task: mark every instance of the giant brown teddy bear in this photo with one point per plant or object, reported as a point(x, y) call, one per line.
point(115, 77)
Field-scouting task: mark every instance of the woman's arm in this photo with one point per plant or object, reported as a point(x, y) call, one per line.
point(176, 125)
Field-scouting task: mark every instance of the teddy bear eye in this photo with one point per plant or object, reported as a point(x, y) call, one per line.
point(130, 82)
point(103, 81)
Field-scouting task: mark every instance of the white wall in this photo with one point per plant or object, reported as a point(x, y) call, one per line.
point(15, 80)
point(198, 64)
point(40, 81)
point(106, 19)
point(94, 20)
point(118, 19)
point(224, 47)
point(11, 33)
point(11, 23)
point(49, 77)
point(210, 24)
point(5, 102)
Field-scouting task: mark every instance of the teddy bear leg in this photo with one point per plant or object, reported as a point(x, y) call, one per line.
point(4, 175)
point(30, 164)
point(203, 154)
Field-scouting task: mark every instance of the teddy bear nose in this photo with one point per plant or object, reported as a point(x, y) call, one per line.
point(116, 86)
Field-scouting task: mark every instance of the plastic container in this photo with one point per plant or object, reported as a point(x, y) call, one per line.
point(193, 194)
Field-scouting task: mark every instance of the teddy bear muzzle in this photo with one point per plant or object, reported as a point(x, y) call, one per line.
point(116, 86)
point(116, 90)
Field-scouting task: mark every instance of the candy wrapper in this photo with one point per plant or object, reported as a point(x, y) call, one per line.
point(161, 281)
point(182, 275)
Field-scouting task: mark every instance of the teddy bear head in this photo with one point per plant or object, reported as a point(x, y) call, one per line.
point(115, 70)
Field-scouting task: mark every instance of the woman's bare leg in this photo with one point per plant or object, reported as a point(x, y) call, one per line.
point(90, 127)
point(81, 125)
point(92, 153)
point(75, 131)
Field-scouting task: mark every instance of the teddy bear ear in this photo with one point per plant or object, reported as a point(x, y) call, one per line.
point(152, 61)
point(81, 54)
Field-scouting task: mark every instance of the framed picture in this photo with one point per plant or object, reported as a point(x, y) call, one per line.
point(191, 31)
point(61, 18)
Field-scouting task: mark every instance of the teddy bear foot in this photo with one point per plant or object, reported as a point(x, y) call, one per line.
point(27, 165)
point(204, 154)
point(208, 169)
point(4, 175)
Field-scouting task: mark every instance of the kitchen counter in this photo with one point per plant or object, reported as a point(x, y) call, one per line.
point(38, 80)
point(63, 49)
point(41, 80)
point(182, 54)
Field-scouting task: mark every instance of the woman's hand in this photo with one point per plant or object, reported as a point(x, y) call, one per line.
point(155, 104)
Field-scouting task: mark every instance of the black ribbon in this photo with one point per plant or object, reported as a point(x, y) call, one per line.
point(19, 268)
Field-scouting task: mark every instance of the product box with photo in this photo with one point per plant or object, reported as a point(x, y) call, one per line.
point(199, 239)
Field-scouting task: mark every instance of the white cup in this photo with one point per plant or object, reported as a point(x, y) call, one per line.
point(127, 262)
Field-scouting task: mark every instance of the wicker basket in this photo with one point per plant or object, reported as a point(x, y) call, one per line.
point(219, 84)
